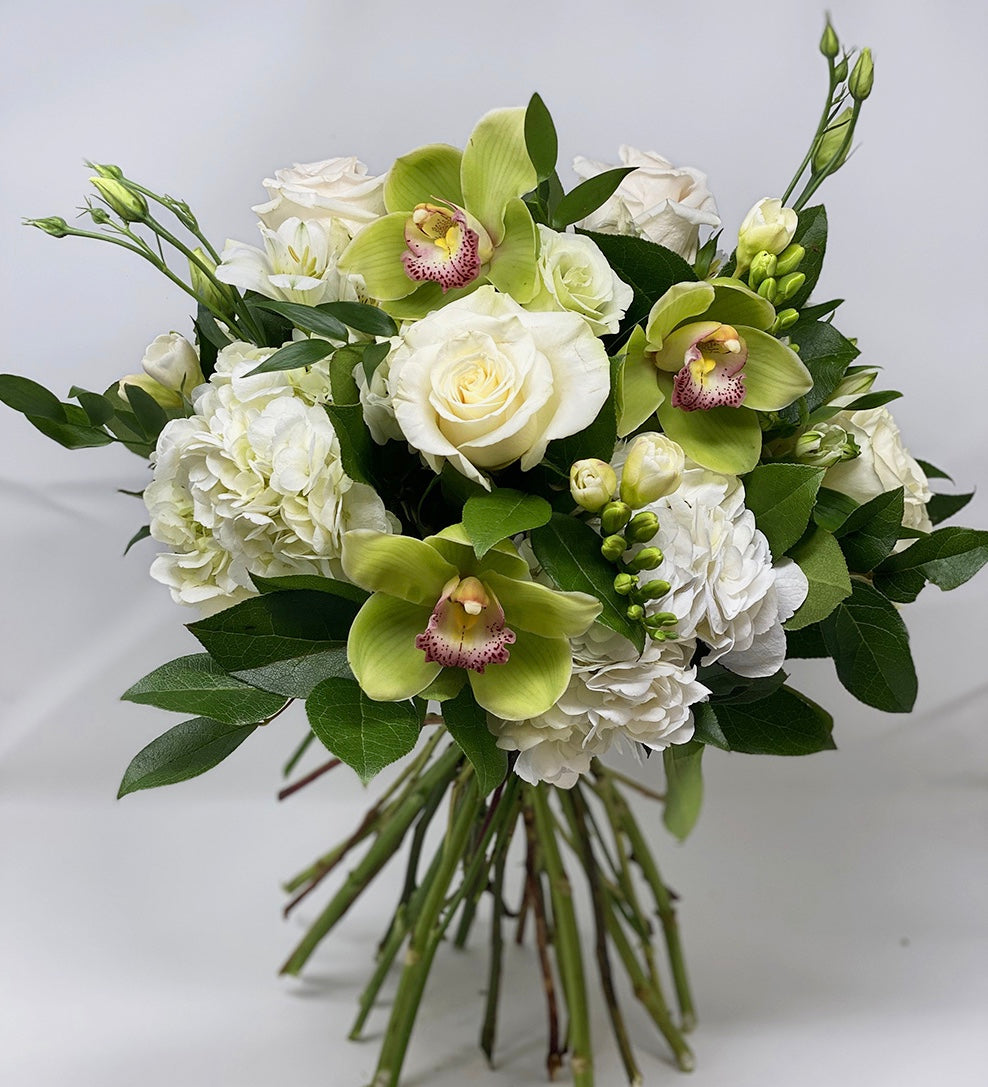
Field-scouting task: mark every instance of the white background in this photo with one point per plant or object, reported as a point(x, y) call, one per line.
point(835, 909)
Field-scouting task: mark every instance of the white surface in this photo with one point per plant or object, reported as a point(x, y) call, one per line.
point(834, 908)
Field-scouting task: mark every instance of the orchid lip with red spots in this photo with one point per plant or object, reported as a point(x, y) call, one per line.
point(713, 372)
point(466, 628)
point(444, 246)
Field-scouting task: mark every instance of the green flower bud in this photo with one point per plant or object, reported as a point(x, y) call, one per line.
point(106, 169)
point(613, 548)
point(661, 619)
point(635, 612)
point(643, 527)
point(591, 484)
point(829, 43)
point(830, 143)
point(790, 285)
point(840, 71)
point(854, 385)
point(785, 319)
point(763, 265)
point(862, 76)
point(646, 559)
point(826, 444)
point(625, 583)
point(130, 206)
point(658, 635)
point(614, 516)
point(206, 290)
point(652, 590)
point(53, 225)
point(768, 289)
point(789, 259)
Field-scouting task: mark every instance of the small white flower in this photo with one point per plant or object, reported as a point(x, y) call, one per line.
point(338, 188)
point(653, 468)
point(769, 226)
point(592, 483)
point(574, 275)
point(482, 383)
point(173, 362)
point(659, 201)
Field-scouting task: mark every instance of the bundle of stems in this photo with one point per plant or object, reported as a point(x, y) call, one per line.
point(590, 829)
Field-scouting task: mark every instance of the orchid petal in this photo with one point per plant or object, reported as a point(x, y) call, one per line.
point(671, 357)
point(735, 304)
point(534, 678)
point(456, 547)
point(681, 302)
point(381, 649)
point(727, 440)
point(774, 375)
point(422, 176)
point(636, 386)
point(541, 610)
point(400, 566)
point(513, 267)
point(375, 254)
point(496, 168)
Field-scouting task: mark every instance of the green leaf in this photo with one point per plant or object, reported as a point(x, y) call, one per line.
point(870, 645)
point(820, 558)
point(28, 397)
point(314, 582)
point(294, 356)
point(684, 787)
point(805, 644)
point(706, 728)
point(832, 508)
point(491, 518)
point(361, 317)
point(71, 435)
point(873, 400)
point(827, 355)
point(298, 677)
point(150, 414)
point(183, 752)
point(811, 234)
point(785, 723)
point(98, 409)
point(142, 533)
point(341, 380)
point(872, 530)
point(588, 196)
point(781, 496)
point(197, 684)
point(275, 627)
point(569, 551)
point(374, 354)
point(931, 471)
point(947, 557)
point(466, 722)
point(942, 506)
point(726, 686)
point(540, 138)
point(648, 269)
point(366, 735)
point(316, 319)
point(356, 444)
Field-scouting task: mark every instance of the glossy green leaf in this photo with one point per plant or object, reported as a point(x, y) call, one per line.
point(493, 517)
point(832, 508)
point(362, 317)
point(366, 735)
point(316, 319)
point(466, 722)
point(183, 752)
point(684, 787)
point(150, 414)
point(197, 684)
point(943, 506)
point(820, 558)
point(540, 138)
point(569, 551)
point(588, 196)
point(28, 397)
point(297, 677)
point(356, 444)
point(341, 380)
point(314, 582)
point(73, 435)
point(373, 355)
point(947, 557)
point(98, 409)
point(826, 354)
point(143, 533)
point(785, 723)
point(806, 644)
point(931, 471)
point(781, 496)
point(872, 530)
point(870, 645)
point(811, 234)
point(293, 356)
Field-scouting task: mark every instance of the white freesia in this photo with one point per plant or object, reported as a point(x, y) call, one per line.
point(613, 699)
point(574, 275)
point(653, 468)
point(592, 483)
point(299, 263)
point(173, 362)
point(482, 383)
point(252, 483)
point(769, 226)
point(658, 201)
point(724, 588)
point(883, 464)
point(336, 188)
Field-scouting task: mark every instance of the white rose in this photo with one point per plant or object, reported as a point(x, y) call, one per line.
point(173, 362)
point(653, 468)
point(574, 275)
point(659, 201)
point(482, 383)
point(337, 188)
point(883, 465)
point(768, 226)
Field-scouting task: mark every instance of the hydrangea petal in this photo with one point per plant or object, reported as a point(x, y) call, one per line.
point(382, 653)
point(532, 680)
point(400, 566)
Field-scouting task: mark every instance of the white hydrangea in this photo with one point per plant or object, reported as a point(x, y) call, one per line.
point(724, 588)
point(252, 483)
point(614, 697)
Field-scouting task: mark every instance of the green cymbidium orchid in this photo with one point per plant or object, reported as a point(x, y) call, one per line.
point(455, 220)
point(438, 610)
point(705, 364)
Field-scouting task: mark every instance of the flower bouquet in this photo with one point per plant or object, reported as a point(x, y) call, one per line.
point(501, 480)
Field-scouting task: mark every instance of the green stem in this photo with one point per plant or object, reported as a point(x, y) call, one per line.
point(616, 775)
point(389, 838)
point(820, 129)
point(818, 179)
point(567, 940)
point(297, 754)
point(488, 1030)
